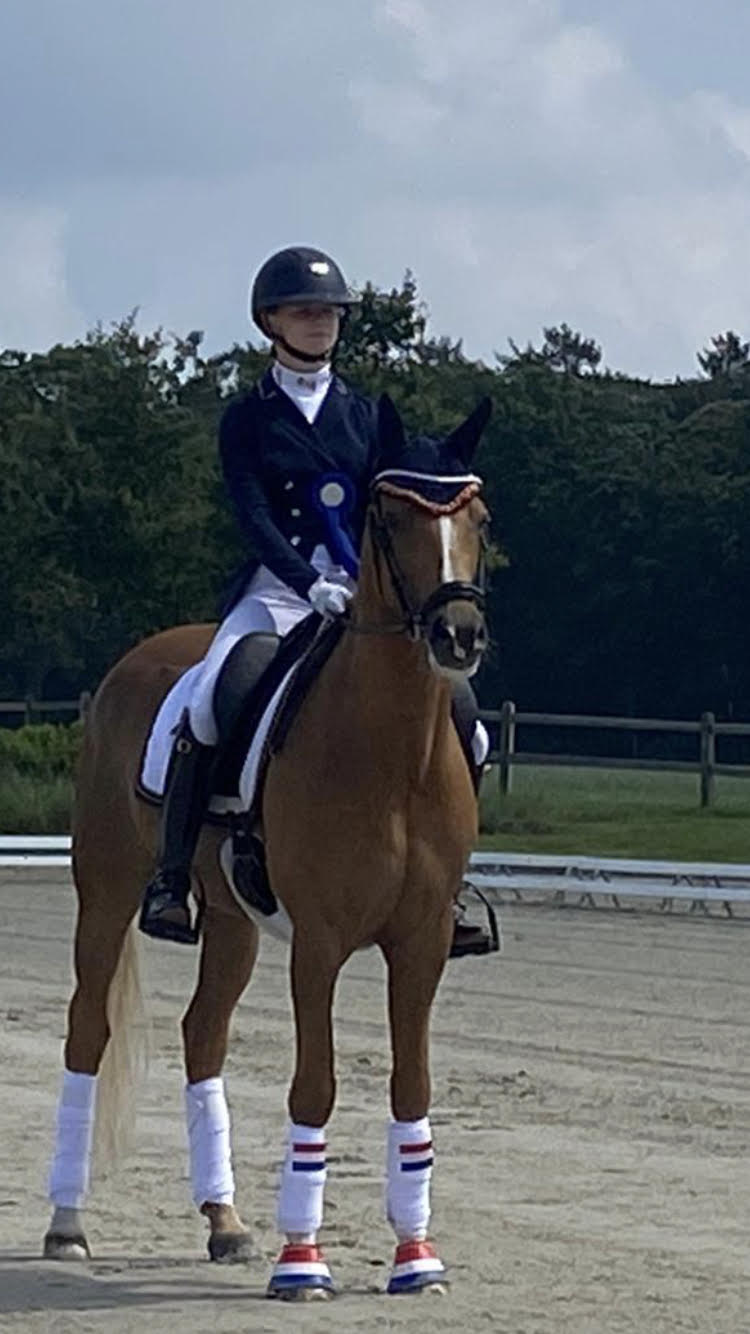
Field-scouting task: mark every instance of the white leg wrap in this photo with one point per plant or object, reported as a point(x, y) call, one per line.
point(208, 1129)
point(303, 1180)
point(409, 1173)
point(480, 743)
point(71, 1165)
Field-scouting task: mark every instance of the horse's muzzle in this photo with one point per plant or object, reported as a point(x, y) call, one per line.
point(457, 636)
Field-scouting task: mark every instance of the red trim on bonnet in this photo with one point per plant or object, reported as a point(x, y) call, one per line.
point(431, 506)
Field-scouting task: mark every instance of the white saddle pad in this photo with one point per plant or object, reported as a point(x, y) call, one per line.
point(161, 737)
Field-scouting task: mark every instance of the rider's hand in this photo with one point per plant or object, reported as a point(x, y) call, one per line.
point(329, 598)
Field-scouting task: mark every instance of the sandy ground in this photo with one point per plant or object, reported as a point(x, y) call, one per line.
point(591, 1114)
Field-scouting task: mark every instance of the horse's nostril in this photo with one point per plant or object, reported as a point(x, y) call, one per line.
point(442, 629)
point(466, 637)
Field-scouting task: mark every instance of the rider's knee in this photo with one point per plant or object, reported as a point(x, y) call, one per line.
point(241, 669)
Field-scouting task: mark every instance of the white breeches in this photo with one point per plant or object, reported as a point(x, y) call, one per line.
point(268, 606)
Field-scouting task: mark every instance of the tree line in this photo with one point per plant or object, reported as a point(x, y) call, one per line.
point(620, 507)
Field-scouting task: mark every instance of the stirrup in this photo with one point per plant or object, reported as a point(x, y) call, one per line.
point(470, 939)
point(249, 870)
point(165, 914)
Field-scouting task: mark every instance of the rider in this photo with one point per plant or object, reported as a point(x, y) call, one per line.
point(298, 421)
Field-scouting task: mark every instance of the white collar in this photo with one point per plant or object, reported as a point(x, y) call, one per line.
point(301, 382)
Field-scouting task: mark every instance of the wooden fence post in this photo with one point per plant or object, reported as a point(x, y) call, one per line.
point(84, 702)
point(507, 745)
point(708, 758)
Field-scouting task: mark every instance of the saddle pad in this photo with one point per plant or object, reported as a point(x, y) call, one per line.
point(259, 734)
point(159, 745)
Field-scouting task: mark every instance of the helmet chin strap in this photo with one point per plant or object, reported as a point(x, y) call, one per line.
point(299, 355)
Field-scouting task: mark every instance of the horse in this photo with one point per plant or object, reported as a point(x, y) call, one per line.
point(369, 815)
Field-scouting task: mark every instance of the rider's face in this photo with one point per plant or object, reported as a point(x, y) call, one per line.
point(313, 329)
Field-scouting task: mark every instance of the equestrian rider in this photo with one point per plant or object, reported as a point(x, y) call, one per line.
point(299, 421)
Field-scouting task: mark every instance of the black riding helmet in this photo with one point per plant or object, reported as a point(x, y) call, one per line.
point(299, 276)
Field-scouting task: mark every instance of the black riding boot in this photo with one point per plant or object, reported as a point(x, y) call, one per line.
point(467, 938)
point(165, 912)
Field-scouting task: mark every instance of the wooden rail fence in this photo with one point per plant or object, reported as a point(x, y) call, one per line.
point(506, 755)
point(706, 766)
point(34, 710)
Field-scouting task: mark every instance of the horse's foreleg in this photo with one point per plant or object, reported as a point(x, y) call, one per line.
point(301, 1271)
point(415, 965)
point(230, 945)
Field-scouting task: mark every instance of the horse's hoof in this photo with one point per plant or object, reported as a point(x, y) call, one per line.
point(232, 1248)
point(60, 1246)
point(301, 1294)
point(417, 1268)
point(300, 1275)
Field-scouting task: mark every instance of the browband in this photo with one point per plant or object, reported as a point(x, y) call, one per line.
point(428, 491)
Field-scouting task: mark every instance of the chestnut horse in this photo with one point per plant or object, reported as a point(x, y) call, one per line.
point(369, 816)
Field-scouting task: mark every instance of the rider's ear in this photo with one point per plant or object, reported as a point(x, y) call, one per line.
point(464, 440)
point(391, 436)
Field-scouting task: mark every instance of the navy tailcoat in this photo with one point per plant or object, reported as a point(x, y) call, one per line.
point(271, 458)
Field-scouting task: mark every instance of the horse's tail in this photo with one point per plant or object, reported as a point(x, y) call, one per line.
point(125, 1059)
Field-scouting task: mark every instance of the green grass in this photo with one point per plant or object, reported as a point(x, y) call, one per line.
point(30, 805)
point(601, 812)
point(616, 813)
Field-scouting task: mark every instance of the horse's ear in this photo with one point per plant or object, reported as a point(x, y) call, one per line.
point(464, 440)
point(391, 435)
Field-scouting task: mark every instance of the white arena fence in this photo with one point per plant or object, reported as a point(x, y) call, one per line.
point(565, 878)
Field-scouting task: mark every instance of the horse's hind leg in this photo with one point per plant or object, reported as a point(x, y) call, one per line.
point(415, 964)
point(103, 920)
point(230, 945)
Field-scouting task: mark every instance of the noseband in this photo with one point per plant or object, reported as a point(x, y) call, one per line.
point(417, 618)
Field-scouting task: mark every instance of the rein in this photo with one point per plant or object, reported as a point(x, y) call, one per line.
point(416, 619)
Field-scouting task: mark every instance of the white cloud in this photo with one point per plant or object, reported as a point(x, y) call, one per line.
point(549, 182)
point(37, 307)
point(520, 162)
point(730, 120)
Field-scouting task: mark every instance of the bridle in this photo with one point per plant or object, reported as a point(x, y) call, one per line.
point(417, 618)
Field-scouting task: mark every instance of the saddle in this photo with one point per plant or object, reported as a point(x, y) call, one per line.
point(252, 674)
point(249, 682)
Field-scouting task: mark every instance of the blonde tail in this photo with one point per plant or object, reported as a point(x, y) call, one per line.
point(125, 1060)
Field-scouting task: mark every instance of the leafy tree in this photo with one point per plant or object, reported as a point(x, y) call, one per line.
point(569, 352)
point(562, 350)
point(385, 330)
point(727, 355)
point(621, 508)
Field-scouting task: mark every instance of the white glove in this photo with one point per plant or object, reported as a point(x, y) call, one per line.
point(328, 598)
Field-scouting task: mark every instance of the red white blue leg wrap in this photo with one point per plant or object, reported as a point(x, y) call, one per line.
point(300, 1214)
point(303, 1179)
point(410, 1160)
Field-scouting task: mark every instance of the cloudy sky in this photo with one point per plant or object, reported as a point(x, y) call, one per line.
point(531, 161)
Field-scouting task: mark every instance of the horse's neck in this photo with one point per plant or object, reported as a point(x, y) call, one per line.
point(395, 700)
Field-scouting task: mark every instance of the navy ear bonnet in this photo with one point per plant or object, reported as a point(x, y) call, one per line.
point(428, 470)
point(436, 473)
